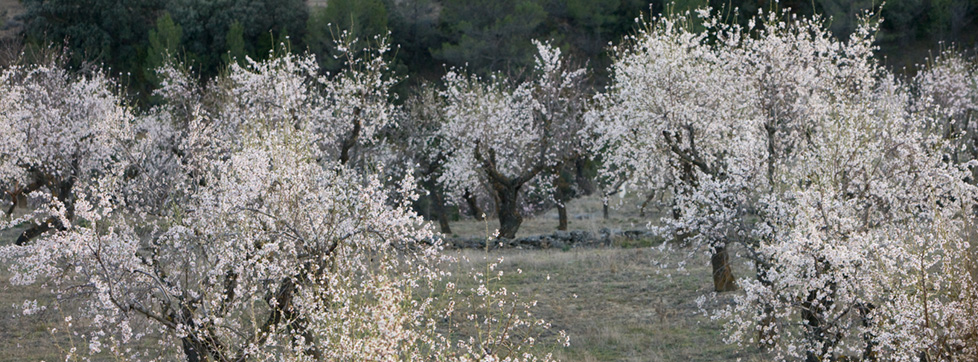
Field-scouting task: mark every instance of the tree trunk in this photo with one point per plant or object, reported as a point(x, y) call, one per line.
point(507, 209)
point(767, 336)
point(63, 194)
point(438, 202)
point(723, 278)
point(813, 311)
point(814, 330)
point(35, 231)
point(562, 194)
point(193, 350)
point(641, 210)
point(474, 208)
point(561, 216)
point(13, 204)
point(351, 141)
point(869, 352)
point(604, 209)
point(585, 183)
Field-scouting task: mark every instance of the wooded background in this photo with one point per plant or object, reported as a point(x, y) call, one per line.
point(431, 35)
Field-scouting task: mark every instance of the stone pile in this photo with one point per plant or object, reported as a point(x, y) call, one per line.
point(558, 240)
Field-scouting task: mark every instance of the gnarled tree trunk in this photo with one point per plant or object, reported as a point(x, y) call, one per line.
point(767, 336)
point(62, 192)
point(508, 208)
point(813, 311)
point(506, 190)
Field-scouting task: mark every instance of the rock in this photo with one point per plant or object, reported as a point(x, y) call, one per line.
point(580, 236)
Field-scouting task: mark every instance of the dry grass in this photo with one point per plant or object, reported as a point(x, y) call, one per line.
point(616, 305)
point(25, 338)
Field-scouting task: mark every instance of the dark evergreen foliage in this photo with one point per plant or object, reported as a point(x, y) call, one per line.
point(430, 35)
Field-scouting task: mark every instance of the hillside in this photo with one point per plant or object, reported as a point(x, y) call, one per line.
point(9, 9)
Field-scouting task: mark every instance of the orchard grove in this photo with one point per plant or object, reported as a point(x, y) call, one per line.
point(269, 211)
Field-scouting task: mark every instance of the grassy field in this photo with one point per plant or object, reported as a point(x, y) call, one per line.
point(615, 303)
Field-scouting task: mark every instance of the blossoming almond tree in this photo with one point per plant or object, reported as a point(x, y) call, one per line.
point(346, 110)
point(858, 231)
point(234, 229)
point(859, 254)
point(417, 140)
point(860, 203)
point(60, 131)
point(264, 249)
point(505, 136)
point(946, 97)
point(676, 116)
point(561, 92)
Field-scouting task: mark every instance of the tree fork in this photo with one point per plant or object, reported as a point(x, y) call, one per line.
point(507, 210)
point(473, 204)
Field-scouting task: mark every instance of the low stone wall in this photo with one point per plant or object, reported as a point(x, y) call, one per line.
point(558, 240)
